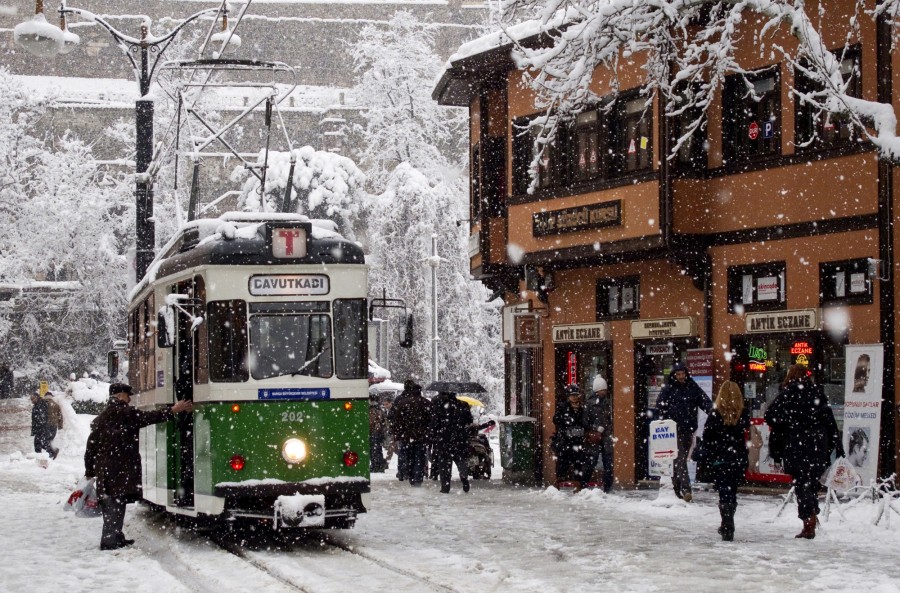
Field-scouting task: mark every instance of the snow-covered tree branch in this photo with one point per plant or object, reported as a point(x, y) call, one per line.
point(688, 47)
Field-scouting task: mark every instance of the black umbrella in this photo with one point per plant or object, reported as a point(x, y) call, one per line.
point(456, 387)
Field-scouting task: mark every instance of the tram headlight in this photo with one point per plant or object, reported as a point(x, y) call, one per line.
point(293, 451)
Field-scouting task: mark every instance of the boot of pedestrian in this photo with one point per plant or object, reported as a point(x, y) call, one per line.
point(809, 529)
point(726, 530)
point(465, 484)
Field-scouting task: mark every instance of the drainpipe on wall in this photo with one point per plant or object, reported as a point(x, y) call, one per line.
point(888, 450)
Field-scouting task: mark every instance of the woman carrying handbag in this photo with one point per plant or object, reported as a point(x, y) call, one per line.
point(724, 450)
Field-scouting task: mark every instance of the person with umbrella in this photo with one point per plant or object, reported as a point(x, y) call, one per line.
point(450, 423)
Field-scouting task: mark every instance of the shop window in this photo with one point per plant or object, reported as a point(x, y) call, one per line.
point(633, 125)
point(493, 174)
point(817, 129)
point(691, 154)
point(752, 115)
point(759, 287)
point(589, 155)
point(550, 167)
point(618, 298)
point(845, 283)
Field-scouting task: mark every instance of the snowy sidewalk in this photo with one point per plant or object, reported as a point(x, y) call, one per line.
point(495, 538)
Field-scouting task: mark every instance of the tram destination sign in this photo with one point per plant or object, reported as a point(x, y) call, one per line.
point(796, 320)
point(289, 284)
point(579, 218)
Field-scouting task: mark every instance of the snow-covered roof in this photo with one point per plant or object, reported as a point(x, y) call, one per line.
point(121, 93)
point(455, 70)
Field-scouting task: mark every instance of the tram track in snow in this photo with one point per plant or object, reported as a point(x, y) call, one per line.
point(319, 562)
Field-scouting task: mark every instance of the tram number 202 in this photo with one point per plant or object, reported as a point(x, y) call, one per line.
point(292, 416)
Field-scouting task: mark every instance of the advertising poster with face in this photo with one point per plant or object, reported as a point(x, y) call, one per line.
point(862, 408)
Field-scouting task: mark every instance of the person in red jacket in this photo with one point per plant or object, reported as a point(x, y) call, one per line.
point(113, 457)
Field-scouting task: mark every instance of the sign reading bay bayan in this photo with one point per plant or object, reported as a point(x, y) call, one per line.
point(579, 218)
point(663, 447)
point(672, 327)
point(782, 321)
point(580, 332)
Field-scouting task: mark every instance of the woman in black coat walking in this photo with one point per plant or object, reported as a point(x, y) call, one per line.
point(724, 450)
point(804, 433)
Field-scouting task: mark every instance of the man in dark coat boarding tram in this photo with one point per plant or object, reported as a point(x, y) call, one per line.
point(113, 457)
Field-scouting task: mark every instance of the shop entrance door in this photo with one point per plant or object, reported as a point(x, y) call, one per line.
point(653, 362)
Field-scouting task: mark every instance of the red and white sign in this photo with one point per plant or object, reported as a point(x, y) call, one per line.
point(290, 242)
point(767, 288)
point(753, 131)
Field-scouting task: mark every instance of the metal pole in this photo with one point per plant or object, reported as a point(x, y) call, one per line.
point(434, 309)
point(144, 228)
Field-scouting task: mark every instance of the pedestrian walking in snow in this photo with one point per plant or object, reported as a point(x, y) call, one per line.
point(568, 440)
point(112, 456)
point(40, 422)
point(804, 433)
point(680, 400)
point(724, 450)
point(450, 429)
point(598, 441)
point(54, 423)
point(7, 380)
point(410, 419)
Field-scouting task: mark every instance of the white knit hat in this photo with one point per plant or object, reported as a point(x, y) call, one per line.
point(599, 384)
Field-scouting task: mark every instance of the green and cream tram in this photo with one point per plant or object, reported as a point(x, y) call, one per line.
point(262, 322)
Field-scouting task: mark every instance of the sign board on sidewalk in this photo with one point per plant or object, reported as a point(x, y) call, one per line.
point(862, 407)
point(662, 447)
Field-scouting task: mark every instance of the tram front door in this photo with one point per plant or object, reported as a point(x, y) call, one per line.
point(184, 389)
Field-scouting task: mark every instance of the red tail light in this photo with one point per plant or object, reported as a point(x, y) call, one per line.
point(237, 462)
point(350, 458)
point(348, 406)
point(235, 408)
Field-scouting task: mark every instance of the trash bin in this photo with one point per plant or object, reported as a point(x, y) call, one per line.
point(517, 448)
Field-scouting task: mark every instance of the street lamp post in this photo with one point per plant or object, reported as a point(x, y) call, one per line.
point(33, 37)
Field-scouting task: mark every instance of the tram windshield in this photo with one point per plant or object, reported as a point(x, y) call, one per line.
point(290, 344)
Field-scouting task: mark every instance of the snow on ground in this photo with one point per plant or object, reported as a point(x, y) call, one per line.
point(495, 538)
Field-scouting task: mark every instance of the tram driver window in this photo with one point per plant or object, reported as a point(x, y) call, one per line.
point(351, 338)
point(290, 343)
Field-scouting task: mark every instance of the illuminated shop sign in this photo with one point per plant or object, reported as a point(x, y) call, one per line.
point(759, 359)
point(801, 347)
point(572, 364)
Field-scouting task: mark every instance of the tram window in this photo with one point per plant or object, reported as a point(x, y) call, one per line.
point(227, 341)
point(290, 345)
point(350, 338)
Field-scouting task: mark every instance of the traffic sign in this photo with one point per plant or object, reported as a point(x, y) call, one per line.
point(753, 132)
